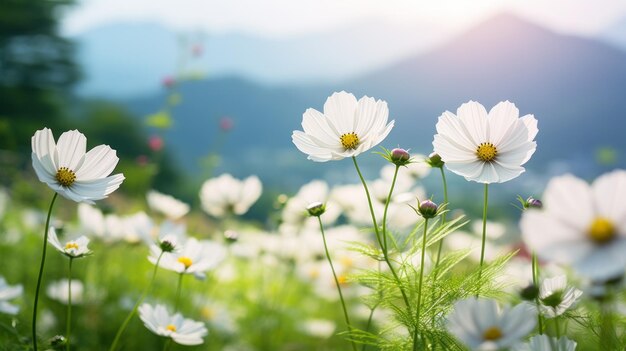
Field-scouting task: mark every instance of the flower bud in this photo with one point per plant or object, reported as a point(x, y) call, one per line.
point(434, 160)
point(399, 156)
point(167, 245)
point(428, 209)
point(529, 293)
point(554, 299)
point(58, 342)
point(231, 236)
point(533, 203)
point(316, 209)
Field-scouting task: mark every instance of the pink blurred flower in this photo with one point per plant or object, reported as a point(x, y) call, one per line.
point(226, 123)
point(155, 143)
point(168, 81)
point(142, 160)
point(197, 50)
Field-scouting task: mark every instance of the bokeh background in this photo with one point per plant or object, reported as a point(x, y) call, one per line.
point(186, 90)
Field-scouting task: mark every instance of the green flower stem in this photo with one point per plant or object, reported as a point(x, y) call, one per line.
point(419, 288)
point(443, 217)
point(377, 232)
point(332, 268)
point(69, 307)
point(120, 331)
point(43, 262)
point(178, 291)
point(484, 238)
point(535, 269)
point(167, 344)
point(393, 184)
point(557, 329)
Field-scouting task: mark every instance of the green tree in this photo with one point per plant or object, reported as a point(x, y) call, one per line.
point(36, 70)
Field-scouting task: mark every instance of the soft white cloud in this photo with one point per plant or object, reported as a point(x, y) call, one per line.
point(293, 17)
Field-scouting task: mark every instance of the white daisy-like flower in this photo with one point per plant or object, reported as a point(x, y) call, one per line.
point(72, 172)
point(486, 147)
point(346, 128)
point(75, 248)
point(581, 225)
point(547, 343)
point(58, 290)
point(225, 194)
point(167, 205)
point(482, 325)
point(182, 330)
point(9, 292)
point(192, 257)
point(556, 297)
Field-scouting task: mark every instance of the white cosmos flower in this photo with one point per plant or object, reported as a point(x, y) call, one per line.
point(72, 172)
point(9, 292)
point(482, 325)
point(346, 128)
point(225, 194)
point(581, 225)
point(182, 330)
point(556, 297)
point(192, 257)
point(72, 248)
point(167, 205)
point(486, 147)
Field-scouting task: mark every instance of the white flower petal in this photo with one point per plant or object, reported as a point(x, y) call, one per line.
point(314, 123)
point(44, 147)
point(501, 118)
point(609, 192)
point(570, 200)
point(449, 126)
point(473, 118)
point(71, 148)
point(99, 162)
point(340, 109)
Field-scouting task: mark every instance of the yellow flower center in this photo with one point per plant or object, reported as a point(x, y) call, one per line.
point(186, 261)
point(65, 176)
point(486, 152)
point(171, 327)
point(208, 313)
point(342, 279)
point(349, 140)
point(601, 230)
point(492, 333)
point(71, 245)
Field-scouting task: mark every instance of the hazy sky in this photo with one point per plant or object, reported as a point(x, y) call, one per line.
point(279, 18)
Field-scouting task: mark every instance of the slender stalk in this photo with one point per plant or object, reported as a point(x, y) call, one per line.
point(332, 268)
point(120, 331)
point(484, 238)
point(419, 288)
point(393, 184)
point(167, 344)
point(378, 237)
point(443, 217)
point(40, 276)
point(557, 329)
point(69, 307)
point(535, 269)
point(178, 290)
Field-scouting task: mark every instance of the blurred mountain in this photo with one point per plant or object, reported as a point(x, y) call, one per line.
point(573, 86)
point(123, 59)
point(615, 34)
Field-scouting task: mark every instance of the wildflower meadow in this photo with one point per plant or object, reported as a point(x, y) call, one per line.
point(338, 195)
point(376, 264)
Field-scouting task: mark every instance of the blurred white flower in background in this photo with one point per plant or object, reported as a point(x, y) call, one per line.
point(193, 257)
point(9, 292)
point(182, 330)
point(547, 343)
point(482, 325)
point(319, 328)
point(581, 225)
point(166, 205)
point(227, 195)
point(74, 248)
point(556, 296)
point(58, 290)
